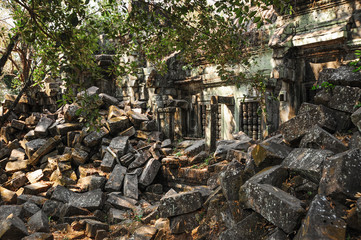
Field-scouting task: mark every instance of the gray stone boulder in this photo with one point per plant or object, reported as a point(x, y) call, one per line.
point(39, 222)
point(195, 148)
point(307, 162)
point(145, 233)
point(150, 171)
point(278, 207)
point(180, 203)
point(231, 180)
point(355, 141)
point(130, 187)
point(321, 222)
point(294, 129)
point(94, 138)
point(12, 228)
point(183, 223)
point(116, 178)
point(344, 76)
point(341, 175)
point(6, 210)
point(319, 138)
point(250, 228)
point(268, 154)
point(41, 129)
point(225, 145)
point(344, 98)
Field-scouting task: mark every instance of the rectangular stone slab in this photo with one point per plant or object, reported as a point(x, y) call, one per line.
point(275, 205)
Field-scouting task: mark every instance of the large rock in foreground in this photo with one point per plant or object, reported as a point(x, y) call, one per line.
point(341, 175)
point(181, 203)
point(321, 222)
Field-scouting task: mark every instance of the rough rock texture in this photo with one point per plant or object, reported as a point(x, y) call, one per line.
point(12, 228)
point(340, 177)
point(319, 138)
point(250, 228)
point(269, 154)
point(149, 172)
point(181, 203)
point(308, 162)
point(321, 222)
point(298, 126)
point(39, 222)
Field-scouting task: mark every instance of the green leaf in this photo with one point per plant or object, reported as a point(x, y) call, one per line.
point(256, 19)
point(252, 14)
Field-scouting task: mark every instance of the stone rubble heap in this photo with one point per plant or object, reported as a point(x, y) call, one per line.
point(124, 181)
point(85, 182)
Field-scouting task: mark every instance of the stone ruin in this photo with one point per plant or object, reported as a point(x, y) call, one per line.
point(183, 156)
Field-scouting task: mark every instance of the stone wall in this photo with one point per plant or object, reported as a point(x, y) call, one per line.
point(292, 52)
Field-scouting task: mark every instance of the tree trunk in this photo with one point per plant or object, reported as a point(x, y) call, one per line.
point(4, 117)
point(4, 58)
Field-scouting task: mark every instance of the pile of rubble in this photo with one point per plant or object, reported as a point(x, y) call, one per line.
point(123, 181)
point(58, 177)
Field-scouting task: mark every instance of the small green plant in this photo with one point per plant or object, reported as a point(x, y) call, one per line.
point(357, 106)
point(138, 218)
point(178, 154)
point(356, 63)
point(309, 193)
point(325, 85)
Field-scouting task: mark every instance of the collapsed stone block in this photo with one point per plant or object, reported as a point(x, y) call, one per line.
point(231, 180)
point(32, 146)
point(278, 207)
point(307, 162)
point(225, 145)
point(344, 98)
point(150, 171)
point(46, 148)
point(121, 202)
point(137, 118)
point(108, 162)
point(39, 222)
point(118, 124)
point(341, 175)
point(63, 129)
point(183, 223)
point(321, 222)
point(269, 154)
point(41, 129)
point(196, 148)
point(252, 227)
point(297, 127)
point(94, 138)
point(180, 203)
point(12, 228)
point(119, 145)
point(318, 138)
point(92, 226)
point(130, 188)
point(115, 180)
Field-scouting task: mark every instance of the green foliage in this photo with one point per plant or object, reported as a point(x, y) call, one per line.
point(138, 218)
point(356, 63)
point(325, 85)
point(64, 36)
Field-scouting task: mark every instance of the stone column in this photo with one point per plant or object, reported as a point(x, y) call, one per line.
point(211, 130)
point(166, 121)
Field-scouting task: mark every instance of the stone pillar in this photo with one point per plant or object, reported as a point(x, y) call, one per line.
point(211, 129)
point(166, 121)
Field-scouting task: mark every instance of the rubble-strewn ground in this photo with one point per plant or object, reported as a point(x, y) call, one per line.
point(124, 181)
